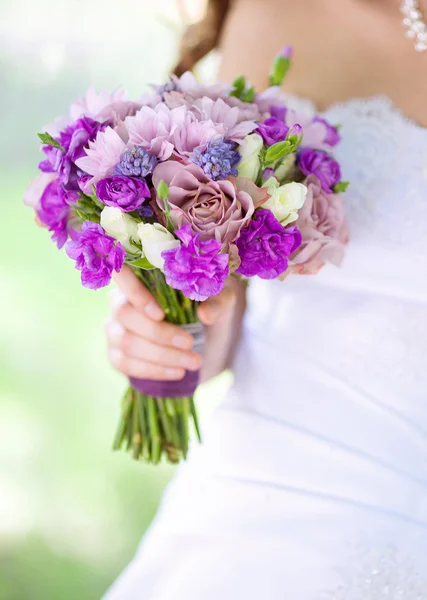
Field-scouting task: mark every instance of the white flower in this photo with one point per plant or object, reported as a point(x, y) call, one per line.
point(121, 227)
point(155, 239)
point(285, 200)
point(249, 151)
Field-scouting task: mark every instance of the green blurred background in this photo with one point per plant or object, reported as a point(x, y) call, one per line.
point(71, 511)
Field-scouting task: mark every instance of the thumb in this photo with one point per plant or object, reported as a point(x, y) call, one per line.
point(216, 307)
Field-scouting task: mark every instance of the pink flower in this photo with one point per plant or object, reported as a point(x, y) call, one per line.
point(317, 131)
point(214, 209)
point(324, 229)
point(272, 96)
point(233, 118)
point(188, 84)
point(35, 189)
point(153, 128)
point(92, 103)
point(195, 134)
point(103, 155)
point(116, 112)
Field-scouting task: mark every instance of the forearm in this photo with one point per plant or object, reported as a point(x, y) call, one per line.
point(223, 337)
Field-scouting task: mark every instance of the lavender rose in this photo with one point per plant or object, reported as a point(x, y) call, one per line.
point(265, 246)
point(54, 210)
point(73, 139)
point(96, 254)
point(323, 228)
point(313, 162)
point(126, 193)
point(196, 267)
point(214, 209)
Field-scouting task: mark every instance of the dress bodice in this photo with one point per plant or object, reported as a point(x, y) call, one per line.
point(366, 322)
point(384, 156)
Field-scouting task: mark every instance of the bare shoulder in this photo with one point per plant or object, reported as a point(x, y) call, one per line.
point(342, 50)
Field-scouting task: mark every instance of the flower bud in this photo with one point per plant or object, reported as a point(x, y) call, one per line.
point(121, 227)
point(155, 239)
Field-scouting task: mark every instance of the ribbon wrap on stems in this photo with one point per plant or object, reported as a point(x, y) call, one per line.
point(175, 389)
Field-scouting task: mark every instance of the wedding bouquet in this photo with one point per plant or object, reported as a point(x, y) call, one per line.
point(189, 186)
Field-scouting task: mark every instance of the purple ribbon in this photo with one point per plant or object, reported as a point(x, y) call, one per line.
point(174, 389)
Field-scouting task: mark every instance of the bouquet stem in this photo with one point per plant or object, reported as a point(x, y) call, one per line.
point(156, 426)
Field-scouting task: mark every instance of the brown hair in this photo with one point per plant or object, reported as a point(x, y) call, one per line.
point(202, 37)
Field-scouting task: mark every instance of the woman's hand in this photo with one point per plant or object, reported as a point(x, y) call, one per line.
point(141, 344)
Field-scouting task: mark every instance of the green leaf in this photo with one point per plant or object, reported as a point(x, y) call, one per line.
point(249, 94)
point(48, 140)
point(96, 200)
point(85, 216)
point(239, 85)
point(277, 151)
point(340, 187)
point(141, 263)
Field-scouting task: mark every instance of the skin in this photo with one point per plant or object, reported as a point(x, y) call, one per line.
point(345, 49)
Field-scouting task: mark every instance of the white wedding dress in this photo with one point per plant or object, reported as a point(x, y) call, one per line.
point(311, 483)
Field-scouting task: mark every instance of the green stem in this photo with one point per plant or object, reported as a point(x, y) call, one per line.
point(124, 419)
point(143, 425)
point(154, 430)
point(195, 418)
point(136, 431)
point(185, 424)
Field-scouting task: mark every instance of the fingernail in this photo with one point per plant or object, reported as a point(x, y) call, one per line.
point(154, 311)
point(115, 331)
point(183, 342)
point(115, 356)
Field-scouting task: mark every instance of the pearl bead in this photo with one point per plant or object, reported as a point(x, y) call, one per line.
point(416, 28)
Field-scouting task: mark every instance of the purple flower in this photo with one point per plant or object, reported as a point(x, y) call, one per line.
point(73, 139)
point(126, 193)
point(287, 52)
point(218, 159)
point(96, 254)
point(332, 136)
point(273, 130)
point(54, 211)
point(136, 163)
point(314, 162)
point(83, 183)
point(196, 268)
point(278, 111)
point(264, 246)
point(319, 134)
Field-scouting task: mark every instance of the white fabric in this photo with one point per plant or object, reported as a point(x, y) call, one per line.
point(312, 481)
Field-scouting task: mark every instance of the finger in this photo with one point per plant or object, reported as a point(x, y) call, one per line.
point(162, 333)
point(133, 367)
point(134, 346)
point(137, 293)
point(216, 307)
